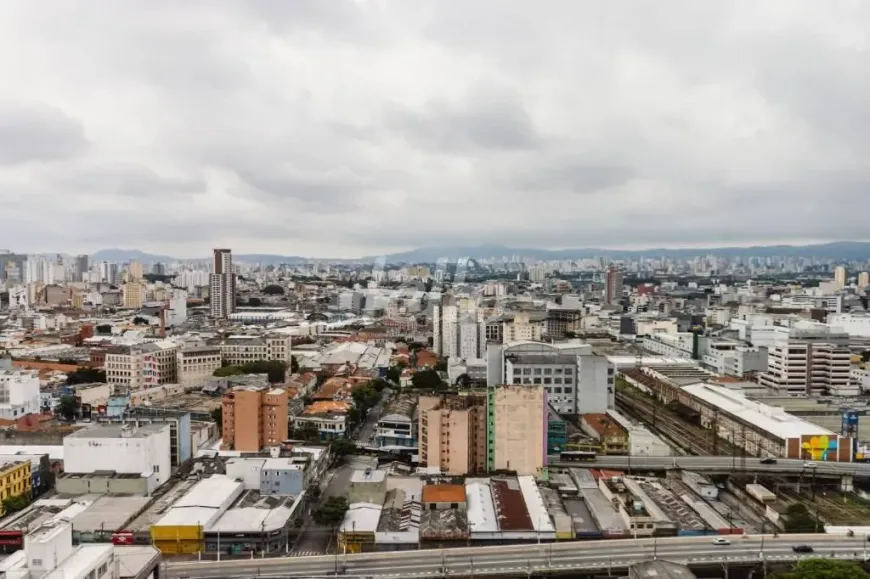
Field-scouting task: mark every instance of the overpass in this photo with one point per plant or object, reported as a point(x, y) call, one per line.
point(845, 471)
point(526, 560)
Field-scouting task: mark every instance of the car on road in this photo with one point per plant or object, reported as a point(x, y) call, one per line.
point(768, 460)
point(809, 465)
point(721, 541)
point(802, 549)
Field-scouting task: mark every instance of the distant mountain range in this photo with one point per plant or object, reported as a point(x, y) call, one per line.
point(839, 250)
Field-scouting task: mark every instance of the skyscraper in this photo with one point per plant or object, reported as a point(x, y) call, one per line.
point(613, 286)
point(863, 280)
point(840, 276)
point(222, 282)
point(82, 267)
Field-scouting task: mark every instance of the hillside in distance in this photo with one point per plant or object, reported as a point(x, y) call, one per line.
point(838, 250)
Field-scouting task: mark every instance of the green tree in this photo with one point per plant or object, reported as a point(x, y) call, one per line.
point(255, 302)
point(140, 321)
point(104, 329)
point(394, 374)
point(427, 380)
point(294, 365)
point(85, 376)
point(67, 407)
point(441, 365)
point(16, 503)
point(305, 431)
point(273, 290)
point(331, 513)
point(226, 371)
point(823, 569)
point(798, 519)
point(342, 447)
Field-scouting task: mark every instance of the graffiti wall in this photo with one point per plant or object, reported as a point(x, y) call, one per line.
point(821, 448)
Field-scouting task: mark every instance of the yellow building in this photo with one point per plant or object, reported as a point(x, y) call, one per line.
point(15, 480)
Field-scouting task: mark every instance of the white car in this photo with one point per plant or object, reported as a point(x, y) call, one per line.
point(809, 465)
point(721, 541)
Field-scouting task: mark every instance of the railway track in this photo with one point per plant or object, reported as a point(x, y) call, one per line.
point(662, 424)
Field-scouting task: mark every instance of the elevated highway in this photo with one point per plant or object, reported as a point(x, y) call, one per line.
point(724, 464)
point(525, 560)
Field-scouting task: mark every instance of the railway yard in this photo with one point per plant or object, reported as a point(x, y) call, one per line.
point(678, 428)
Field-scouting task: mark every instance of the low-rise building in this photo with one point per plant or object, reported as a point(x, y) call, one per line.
point(15, 480)
point(197, 364)
point(327, 416)
point(612, 438)
point(397, 426)
point(19, 394)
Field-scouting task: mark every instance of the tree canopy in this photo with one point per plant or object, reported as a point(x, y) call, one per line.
point(276, 369)
point(85, 376)
point(798, 519)
point(427, 380)
point(273, 290)
point(823, 569)
point(140, 321)
point(331, 513)
point(67, 407)
point(305, 431)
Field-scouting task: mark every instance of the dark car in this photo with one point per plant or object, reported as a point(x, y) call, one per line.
point(802, 549)
point(768, 461)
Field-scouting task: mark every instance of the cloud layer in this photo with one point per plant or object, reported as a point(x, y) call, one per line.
point(348, 128)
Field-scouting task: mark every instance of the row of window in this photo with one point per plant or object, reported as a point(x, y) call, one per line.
point(568, 371)
point(552, 380)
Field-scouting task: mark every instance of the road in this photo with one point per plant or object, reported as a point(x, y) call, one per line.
point(508, 560)
point(714, 464)
point(364, 433)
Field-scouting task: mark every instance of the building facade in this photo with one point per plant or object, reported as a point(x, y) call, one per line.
point(197, 364)
point(132, 368)
point(254, 417)
point(222, 285)
point(19, 394)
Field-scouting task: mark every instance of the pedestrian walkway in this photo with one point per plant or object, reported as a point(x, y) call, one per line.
point(295, 553)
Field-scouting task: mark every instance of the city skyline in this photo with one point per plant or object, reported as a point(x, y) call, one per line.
point(254, 126)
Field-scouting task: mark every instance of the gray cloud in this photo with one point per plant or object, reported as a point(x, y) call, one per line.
point(349, 128)
point(38, 133)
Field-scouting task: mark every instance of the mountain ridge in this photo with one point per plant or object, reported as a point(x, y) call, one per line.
point(845, 250)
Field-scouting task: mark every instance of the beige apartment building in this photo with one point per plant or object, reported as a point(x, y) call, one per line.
point(197, 364)
point(254, 417)
point(502, 428)
point(133, 294)
point(518, 429)
point(453, 432)
point(809, 368)
point(132, 368)
point(238, 350)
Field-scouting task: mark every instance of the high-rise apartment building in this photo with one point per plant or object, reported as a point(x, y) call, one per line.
point(459, 331)
point(863, 280)
point(254, 417)
point(840, 276)
point(133, 294)
point(135, 271)
point(222, 282)
point(613, 286)
point(501, 428)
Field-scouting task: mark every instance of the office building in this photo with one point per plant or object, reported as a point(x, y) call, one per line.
point(19, 394)
point(254, 417)
point(238, 350)
point(196, 364)
point(133, 294)
point(49, 553)
point(82, 267)
point(801, 368)
point(222, 285)
point(132, 368)
point(613, 287)
point(523, 327)
point(576, 380)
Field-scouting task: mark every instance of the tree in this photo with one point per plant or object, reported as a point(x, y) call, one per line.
point(85, 376)
point(464, 381)
point(823, 569)
point(441, 365)
point(294, 365)
point(104, 329)
point(226, 371)
point(273, 290)
point(394, 374)
point(140, 321)
point(305, 431)
point(799, 520)
point(255, 302)
point(67, 407)
point(342, 447)
point(427, 380)
point(16, 503)
point(218, 416)
point(331, 513)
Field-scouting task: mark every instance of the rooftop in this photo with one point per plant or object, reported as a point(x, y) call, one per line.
point(119, 431)
point(510, 506)
point(443, 494)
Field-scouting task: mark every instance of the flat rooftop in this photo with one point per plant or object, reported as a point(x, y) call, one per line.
point(119, 431)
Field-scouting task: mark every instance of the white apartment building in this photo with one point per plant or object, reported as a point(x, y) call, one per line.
point(806, 368)
point(238, 350)
point(222, 285)
point(576, 380)
point(733, 359)
point(139, 366)
point(459, 331)
point(197, 364)
point(678, 345)
point(852, 324)
point(19, 394)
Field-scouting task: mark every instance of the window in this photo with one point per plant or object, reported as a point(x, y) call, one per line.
point(36, 563)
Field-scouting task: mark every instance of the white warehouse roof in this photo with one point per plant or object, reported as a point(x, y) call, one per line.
point(771, 419)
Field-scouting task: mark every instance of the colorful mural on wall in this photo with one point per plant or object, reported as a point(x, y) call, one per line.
point(820, 448)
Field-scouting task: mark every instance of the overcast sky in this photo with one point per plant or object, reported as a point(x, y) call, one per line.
point(339, 129)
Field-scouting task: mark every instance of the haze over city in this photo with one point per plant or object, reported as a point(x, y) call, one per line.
point(352, 128)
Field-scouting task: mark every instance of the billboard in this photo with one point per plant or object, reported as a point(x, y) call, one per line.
point(820, 448)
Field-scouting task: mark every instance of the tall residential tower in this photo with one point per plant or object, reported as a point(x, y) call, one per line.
point(222, 282)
